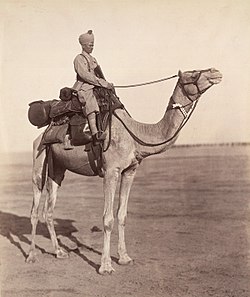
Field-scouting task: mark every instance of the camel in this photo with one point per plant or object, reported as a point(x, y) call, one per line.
point(131, 142)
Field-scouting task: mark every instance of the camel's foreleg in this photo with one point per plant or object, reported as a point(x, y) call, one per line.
point(109, 185)
point(52, 188)
point(127, 178)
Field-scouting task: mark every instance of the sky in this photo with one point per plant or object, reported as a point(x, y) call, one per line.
point(135, 41)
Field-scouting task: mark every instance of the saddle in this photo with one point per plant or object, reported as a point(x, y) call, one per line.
point(65, 117)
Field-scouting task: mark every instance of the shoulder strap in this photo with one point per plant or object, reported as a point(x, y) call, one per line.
point(98, 71)
point(87, 61)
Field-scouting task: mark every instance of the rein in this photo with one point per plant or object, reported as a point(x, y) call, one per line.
point(138, 140)
point(147, 83)
point(187, 116)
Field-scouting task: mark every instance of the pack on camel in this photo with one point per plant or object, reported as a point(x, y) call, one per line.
point(128, 144)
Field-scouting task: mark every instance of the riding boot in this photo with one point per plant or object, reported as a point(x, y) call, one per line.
point(97, 136)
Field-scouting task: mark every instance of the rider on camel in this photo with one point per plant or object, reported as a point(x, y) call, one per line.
point(86, 81)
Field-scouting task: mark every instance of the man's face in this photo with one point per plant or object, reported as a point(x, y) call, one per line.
point(88, 47)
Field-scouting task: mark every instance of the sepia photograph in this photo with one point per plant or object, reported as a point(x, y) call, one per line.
point(125, 148)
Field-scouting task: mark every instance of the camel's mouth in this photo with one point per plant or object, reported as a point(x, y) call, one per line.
point(215, 76)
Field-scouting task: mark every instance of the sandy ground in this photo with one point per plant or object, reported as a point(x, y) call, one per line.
point(188, 230)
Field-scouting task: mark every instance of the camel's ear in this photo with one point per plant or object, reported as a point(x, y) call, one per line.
point(179, 73)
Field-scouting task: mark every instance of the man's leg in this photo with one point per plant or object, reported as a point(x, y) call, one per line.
point(92, 123)
point(91, 109)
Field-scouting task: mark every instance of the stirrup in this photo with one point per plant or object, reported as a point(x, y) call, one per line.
point(67, 143)
point(98, 137)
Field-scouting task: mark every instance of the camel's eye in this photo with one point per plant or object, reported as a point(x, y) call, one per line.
point(194, 75)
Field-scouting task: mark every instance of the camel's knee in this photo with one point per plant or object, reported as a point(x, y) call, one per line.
point(121, 219)
point(34, 217)
point(48, 216)
point(108, 223)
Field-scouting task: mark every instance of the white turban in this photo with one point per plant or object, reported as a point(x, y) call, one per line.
point(86, 37)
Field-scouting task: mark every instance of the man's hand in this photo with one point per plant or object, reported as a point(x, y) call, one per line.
point(105, 84)
point(110, 86)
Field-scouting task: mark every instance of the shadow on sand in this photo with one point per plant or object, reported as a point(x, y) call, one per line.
point(13, 225)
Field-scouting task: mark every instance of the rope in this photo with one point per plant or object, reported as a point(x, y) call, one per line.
point(141, 142)
point(138, 140)
point(147, 83)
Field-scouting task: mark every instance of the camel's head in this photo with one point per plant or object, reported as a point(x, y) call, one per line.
point(196, 82)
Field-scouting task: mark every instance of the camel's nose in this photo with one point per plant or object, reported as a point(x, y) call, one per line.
point(216, 73)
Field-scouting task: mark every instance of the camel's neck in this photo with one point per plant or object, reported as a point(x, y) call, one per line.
point(178, 108)
point(167, 128)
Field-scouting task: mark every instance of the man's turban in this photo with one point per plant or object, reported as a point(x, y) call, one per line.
point(86, 37)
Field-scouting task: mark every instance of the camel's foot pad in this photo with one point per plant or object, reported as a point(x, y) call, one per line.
point(125, 260)
point(106, 269)
point(61, 254)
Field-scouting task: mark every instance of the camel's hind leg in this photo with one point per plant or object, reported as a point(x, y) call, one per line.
point(52, 187)
point(38, 181)
point(127, 178)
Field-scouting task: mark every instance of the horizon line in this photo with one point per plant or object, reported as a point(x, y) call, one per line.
point(174, 146)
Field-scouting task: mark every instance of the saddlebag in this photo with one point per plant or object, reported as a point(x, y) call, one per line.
point(38, 113)
point(67, 94)
point(80, 134)
point(55, 134)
